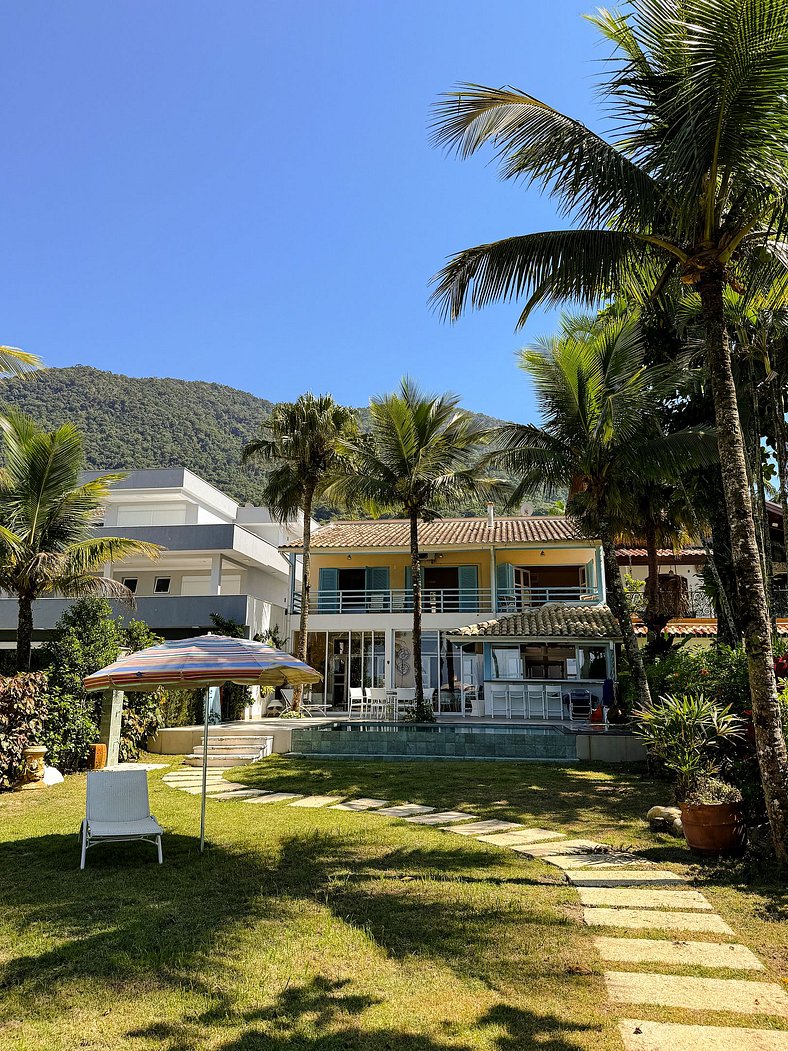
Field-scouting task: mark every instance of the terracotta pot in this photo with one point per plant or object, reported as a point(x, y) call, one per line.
point(97, 757)
point(714, 829)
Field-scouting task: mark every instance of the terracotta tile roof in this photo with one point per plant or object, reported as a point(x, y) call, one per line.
point(549, 621)
point(444, 532)
point(703, 628)
point(666, 554)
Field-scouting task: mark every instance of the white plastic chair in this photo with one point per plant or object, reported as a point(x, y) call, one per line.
point(517, 702)
point(355, 701)
point(499, 701)
point(376, 701)
point(117, 810)
point(536, 701)
point(554, 702)
point(406, 698)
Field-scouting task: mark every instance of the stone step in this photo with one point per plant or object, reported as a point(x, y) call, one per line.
point(313, 802)
point(523, 838)
point(222, 762)
point(405, 810)
point(479, 828)
point(274, 797)
point(654, 920)
point(580, 847)
point(667, 1036)
point(679, 953)
point(360, 805)
point(249, 793)
point(644, 898)
point(609, 860)
point(445, 817)
point(627, 877)
point(697, 994)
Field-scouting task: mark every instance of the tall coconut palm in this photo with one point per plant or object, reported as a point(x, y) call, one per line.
point(694, 187)
point(16, 362)
point(421, 457)
point(299, 450)
point(47, 516)
point(600, 438)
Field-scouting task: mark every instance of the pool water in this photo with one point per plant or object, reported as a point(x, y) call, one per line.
point(442, 728)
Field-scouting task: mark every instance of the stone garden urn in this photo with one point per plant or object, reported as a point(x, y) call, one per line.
point(33, 768)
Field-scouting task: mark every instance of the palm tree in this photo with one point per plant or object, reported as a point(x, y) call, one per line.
point(694, 188)
point(600, 438)
point(421, 457)
point(47, 515)
point(299, 447)
point(16, 362)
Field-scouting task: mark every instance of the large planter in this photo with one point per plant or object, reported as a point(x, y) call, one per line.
point(714, 829)
point(33, 769)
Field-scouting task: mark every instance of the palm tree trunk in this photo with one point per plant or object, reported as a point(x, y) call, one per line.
point(617, 600)
point(654, 615)
point(24, 633)
point(306, 571)
point(769, 740)
point(781, 452)
point(415, 565)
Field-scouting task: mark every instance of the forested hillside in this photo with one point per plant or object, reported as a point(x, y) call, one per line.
point(133, 423)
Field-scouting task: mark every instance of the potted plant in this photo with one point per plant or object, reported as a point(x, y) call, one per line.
point(687, 733)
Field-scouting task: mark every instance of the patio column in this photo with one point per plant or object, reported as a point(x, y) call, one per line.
point(111, 717)
point(216, 575)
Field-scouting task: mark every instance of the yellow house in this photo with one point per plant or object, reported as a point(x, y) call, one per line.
point(535, 578)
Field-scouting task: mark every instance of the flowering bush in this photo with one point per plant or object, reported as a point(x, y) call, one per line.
point(23, 707)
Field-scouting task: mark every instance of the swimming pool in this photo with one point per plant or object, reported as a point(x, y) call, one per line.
point(435, 741)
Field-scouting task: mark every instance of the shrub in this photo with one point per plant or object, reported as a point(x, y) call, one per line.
point(708, 791)
point(23, 707)
point(182, 707)
point(687, 733)
point(87, 637)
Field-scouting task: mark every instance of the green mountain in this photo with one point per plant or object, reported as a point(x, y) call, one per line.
point(133, 423)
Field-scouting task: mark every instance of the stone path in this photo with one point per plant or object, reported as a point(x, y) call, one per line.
point(618, 890)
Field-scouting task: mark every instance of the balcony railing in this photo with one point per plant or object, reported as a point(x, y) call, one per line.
point(513, 600)
point(444, 600)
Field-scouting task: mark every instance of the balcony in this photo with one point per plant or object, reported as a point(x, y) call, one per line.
point(445, 600)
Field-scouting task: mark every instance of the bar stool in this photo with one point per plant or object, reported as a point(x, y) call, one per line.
point(517, 702)
point(536, 701)
point(499, 702)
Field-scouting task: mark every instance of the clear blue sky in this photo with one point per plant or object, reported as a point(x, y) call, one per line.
point(244, 191)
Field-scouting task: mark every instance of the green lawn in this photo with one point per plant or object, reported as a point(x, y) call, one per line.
point(323, 930)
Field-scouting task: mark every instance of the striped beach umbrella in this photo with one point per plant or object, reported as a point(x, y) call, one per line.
point(201, 663)
point(206, 660)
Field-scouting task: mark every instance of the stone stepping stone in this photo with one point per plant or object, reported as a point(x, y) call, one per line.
point(405, 810)
point(689, 954)
point(197, 779)
point(444, 817)
point(568, 846)
point(644, 898)
point(697, 994)
point(667, 1036)
point(654, 920)
point(250, 793)
point(316, 801)
point(482, 827)
point(360, 804)
point(590, 861)
point(520, 839)
point(274, 797)
point(625, 878)
point(223, 786)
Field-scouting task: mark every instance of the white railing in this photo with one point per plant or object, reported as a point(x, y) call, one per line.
point(512, 600)
point(400, 600)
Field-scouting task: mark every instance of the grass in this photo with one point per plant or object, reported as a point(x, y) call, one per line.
point(315, 930)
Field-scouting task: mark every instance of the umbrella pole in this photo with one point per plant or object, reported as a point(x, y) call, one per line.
point(206, 711)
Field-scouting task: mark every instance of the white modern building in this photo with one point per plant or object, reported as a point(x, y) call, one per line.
point(219, 557)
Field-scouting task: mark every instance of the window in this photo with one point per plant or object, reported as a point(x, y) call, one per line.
point(161, 586)
point(593, 662)
point(131, 584)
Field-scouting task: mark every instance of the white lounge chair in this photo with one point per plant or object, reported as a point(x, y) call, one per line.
point(117, 810)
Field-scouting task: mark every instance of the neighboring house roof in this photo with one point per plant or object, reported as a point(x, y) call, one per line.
point(443, 532)
point(701, 627)
point(685, 556)
point(551, 621)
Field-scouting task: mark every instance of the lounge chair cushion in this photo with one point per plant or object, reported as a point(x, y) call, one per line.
point(146, 826)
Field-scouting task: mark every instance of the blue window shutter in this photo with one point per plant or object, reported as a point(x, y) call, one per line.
point(328, 582)
point(504, 585)
point(468, 582)
point(377, 578)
